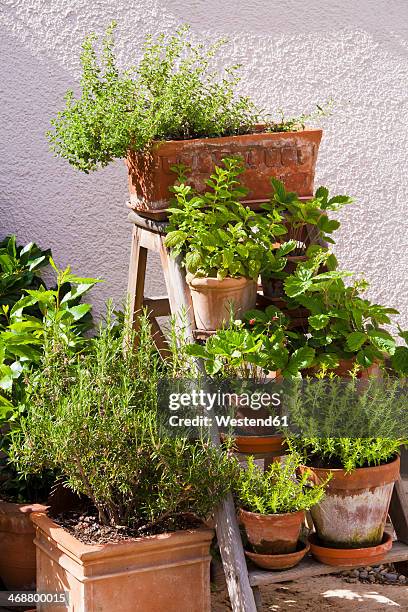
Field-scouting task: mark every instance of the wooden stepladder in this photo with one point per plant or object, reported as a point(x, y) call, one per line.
point(243, 582)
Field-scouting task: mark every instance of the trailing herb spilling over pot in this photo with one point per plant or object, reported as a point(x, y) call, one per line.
point(273, 504)
point(176, 105)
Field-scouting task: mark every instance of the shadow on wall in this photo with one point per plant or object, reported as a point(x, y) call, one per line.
point(82, 218)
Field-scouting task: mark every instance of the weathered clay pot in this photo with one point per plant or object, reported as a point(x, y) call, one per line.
point(350, 557)
point(279, 562)
point(17, 558)
point(168, 572)
point(213, 299)
point(354, 510)
point(272, 533)
point(288, 156)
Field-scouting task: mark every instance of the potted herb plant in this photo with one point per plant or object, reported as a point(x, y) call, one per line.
point(306, 222)
point(175, 108)
point(28, 310)
point(251, 356)
point(367, 424)
point(94, 418)
point(272, 510)
point(223, 244)
point(344, 328)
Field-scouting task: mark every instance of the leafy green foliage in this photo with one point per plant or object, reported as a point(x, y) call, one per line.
point(299, 214)
point(29, 311)
point(174, 93)
point(342, 324)
point(279, 490)
point(399, 360)
point(20, 268)
point(254, 348)
point(347, 423)
point(216, 234)
point(93, 419)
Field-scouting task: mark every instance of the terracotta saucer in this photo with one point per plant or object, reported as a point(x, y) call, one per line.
point(350, 557)
point(279, 562)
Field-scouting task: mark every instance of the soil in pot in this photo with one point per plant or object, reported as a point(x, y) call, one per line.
point(17, 557)
point(288, 156)
point(350, 557)
point(214, 299)
point(279, 562)
point(354, 510)
point(272, 533)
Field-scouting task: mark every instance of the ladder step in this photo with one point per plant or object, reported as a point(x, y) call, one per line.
point(309, 567)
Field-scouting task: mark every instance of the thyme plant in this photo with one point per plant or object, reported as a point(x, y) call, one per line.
point(279, 490)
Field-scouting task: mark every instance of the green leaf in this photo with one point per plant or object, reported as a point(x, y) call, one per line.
point(6, 377)
point(175, 238)
point(79, 311)
point(382, 340)
point(301, 358)
point(319, 321)
point(399, 360)
point(295, 286)
point(355, 340)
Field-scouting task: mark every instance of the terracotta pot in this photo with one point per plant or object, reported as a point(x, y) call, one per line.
point(17, 558)
point(260, 444)
point(213, 299)
point(288, 156)
point(168, 572)
point(354, 510)
point(279, 562)
point(272, 533)
point(344, 368)
point(350, 557)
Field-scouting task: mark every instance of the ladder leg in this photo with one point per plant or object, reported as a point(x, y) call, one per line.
point(399, 517)
point(258, 598)
point(137, 273)
point(177, 290)
point(233, 558)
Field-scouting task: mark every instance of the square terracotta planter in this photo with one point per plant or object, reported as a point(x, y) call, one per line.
point(288, 156)
point(17, 550)
point(164, 573)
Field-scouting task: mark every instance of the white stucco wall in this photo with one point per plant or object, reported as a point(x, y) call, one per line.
point(295, 53)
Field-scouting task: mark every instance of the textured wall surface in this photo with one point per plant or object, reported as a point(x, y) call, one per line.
point(296, 53)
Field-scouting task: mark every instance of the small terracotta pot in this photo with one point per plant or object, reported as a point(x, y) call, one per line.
point(260, 444)
point(344, 368)
point(170, 571)
point(350, 557)
point(288, 156)
point(279, 562)
point(17, 558)
point(353, 512)
point(213, 299)
point(272, 533)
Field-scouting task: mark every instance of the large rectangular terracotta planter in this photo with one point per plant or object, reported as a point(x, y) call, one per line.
point(288, 156)
point(164, 573)
point(17, 551)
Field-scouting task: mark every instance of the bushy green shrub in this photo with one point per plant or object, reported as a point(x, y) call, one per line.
point(94, 420)
point(279, 490)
